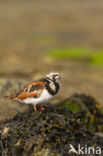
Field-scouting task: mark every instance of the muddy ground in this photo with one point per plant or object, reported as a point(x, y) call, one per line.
point(29, 29)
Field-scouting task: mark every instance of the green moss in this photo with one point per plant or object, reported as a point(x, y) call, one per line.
point(93, 57)
point(69, 53)
point(97, 58)
point(72, 106)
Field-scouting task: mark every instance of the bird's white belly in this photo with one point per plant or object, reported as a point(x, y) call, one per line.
point(43, 98)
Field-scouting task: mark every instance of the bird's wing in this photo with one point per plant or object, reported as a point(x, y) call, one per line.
point(36, 85)
point(34, 89)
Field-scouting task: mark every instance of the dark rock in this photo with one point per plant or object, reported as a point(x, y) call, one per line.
point(86, 108)
point(9, 108)
point(44, 133)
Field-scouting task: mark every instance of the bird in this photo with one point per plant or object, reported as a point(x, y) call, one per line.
point(38, 92)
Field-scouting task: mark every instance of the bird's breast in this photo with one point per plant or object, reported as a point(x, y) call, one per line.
point(46, 95)
point(43, 98)
point(53, 88)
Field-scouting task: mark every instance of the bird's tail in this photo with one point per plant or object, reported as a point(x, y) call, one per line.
point(10, 97)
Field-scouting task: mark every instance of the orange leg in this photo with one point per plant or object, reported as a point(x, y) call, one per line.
point(35, 108)
point(41, 107)
point(38, 105)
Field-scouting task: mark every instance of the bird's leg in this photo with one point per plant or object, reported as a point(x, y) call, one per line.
point(41, 107)
point(35, 108)
point(38, 105)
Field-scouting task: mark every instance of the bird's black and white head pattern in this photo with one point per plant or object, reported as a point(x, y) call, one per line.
point(53, 76)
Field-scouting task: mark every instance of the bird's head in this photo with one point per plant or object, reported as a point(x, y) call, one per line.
point(53, 76)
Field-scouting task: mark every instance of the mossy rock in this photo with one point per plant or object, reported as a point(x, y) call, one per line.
point(49, 132)
point(86, 108)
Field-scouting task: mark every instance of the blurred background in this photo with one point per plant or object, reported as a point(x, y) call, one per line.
point(40, 36)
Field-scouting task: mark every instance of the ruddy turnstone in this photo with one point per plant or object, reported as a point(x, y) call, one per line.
point(40, 91)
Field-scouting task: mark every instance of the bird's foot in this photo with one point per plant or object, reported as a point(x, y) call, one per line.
point(41, 107)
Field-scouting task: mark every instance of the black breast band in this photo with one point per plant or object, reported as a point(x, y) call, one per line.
point(52, 92)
